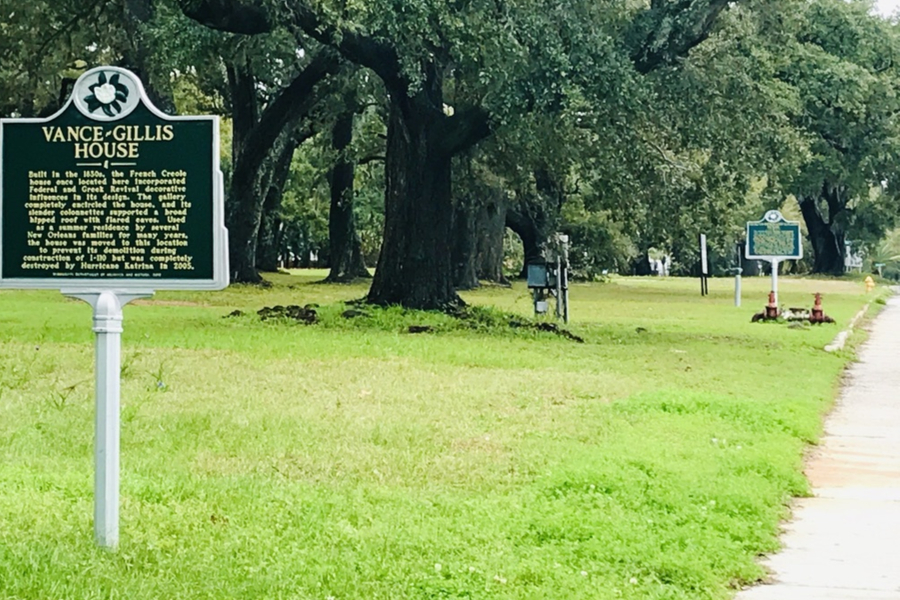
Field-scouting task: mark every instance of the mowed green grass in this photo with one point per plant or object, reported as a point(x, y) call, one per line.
point(353, 460)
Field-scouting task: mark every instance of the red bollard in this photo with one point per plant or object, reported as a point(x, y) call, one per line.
point(817, 314)
point(771, 307)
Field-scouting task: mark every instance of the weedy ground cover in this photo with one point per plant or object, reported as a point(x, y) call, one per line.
point(350, 459)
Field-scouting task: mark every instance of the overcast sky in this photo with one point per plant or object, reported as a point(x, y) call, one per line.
point(887, 7)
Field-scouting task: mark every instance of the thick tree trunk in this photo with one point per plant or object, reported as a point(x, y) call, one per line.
point(491, 233)
point(465, 243)
point(478, 231)
point(826, 239)
point(529, 221)
point(479, 227)
point(243, 226)
point(641, 265)
point(258, 141)
point(268, 250)
point(534, 218)
point(268, 245)
point(415, 267)
point(347, 261)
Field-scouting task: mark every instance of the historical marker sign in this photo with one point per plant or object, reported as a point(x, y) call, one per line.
point(111, 193)
point(774, 238)
point(109, 200)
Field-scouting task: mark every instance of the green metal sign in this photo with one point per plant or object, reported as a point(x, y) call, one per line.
point(774, 238)
point(111, 193)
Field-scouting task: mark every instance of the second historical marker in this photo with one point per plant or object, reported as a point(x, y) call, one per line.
point(774, 238)
point(111, 192)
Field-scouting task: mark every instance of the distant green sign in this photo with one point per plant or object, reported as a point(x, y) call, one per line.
point(774, 238)
point(111, 193)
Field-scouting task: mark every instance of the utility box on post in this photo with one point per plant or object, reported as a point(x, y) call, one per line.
point(539, 281)
point(551, 278)
point(540, 276)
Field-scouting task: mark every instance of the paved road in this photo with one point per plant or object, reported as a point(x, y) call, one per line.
point(844, 543)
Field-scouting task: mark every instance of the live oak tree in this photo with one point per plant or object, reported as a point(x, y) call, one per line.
point(337, 219)
point(345, 250)
point(355, 111)
point(842, 65)
point(269, 86)
point(698, 147)
point(669, 150)
point(511, 57)
point(269, 246)
point(264, 141)
point(481, 201)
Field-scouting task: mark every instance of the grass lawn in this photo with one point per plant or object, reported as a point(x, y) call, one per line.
point(352, 460)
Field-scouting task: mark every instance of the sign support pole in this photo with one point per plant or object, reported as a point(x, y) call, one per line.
point(775, 263)
point(704, 267)
point(559, 285)
point(107, 307)
point(563, 276)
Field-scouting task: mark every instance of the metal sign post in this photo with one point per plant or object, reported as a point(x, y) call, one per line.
point(564, 275)
point(107, 371)
point(775, 263)
point(704, 267)
point(106, 201)
point(773, 239)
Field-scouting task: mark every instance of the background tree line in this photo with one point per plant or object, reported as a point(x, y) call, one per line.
point(422, 137)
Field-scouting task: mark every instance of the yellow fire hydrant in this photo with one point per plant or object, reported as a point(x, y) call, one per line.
point(870, 284)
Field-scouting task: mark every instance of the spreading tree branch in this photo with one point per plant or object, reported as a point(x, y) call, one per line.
point(243, 16)
point(244, 104)
point(695, 21)
point(293, 103)
point(359, 49)
point(229, 15)
point(370, 159)
point(464, 129)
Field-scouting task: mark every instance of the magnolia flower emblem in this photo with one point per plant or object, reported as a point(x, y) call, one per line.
point(107, 95)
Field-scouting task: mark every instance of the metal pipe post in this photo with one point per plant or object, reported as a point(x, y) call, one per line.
point(559, 285)
point(737, 286)
point(564, 274)
point(107, 307)
point(108, 327)
point(775, 279)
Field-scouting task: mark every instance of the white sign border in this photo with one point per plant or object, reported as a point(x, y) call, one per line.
point(220, 279)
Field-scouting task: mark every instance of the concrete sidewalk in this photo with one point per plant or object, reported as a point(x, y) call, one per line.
point(844, 543)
